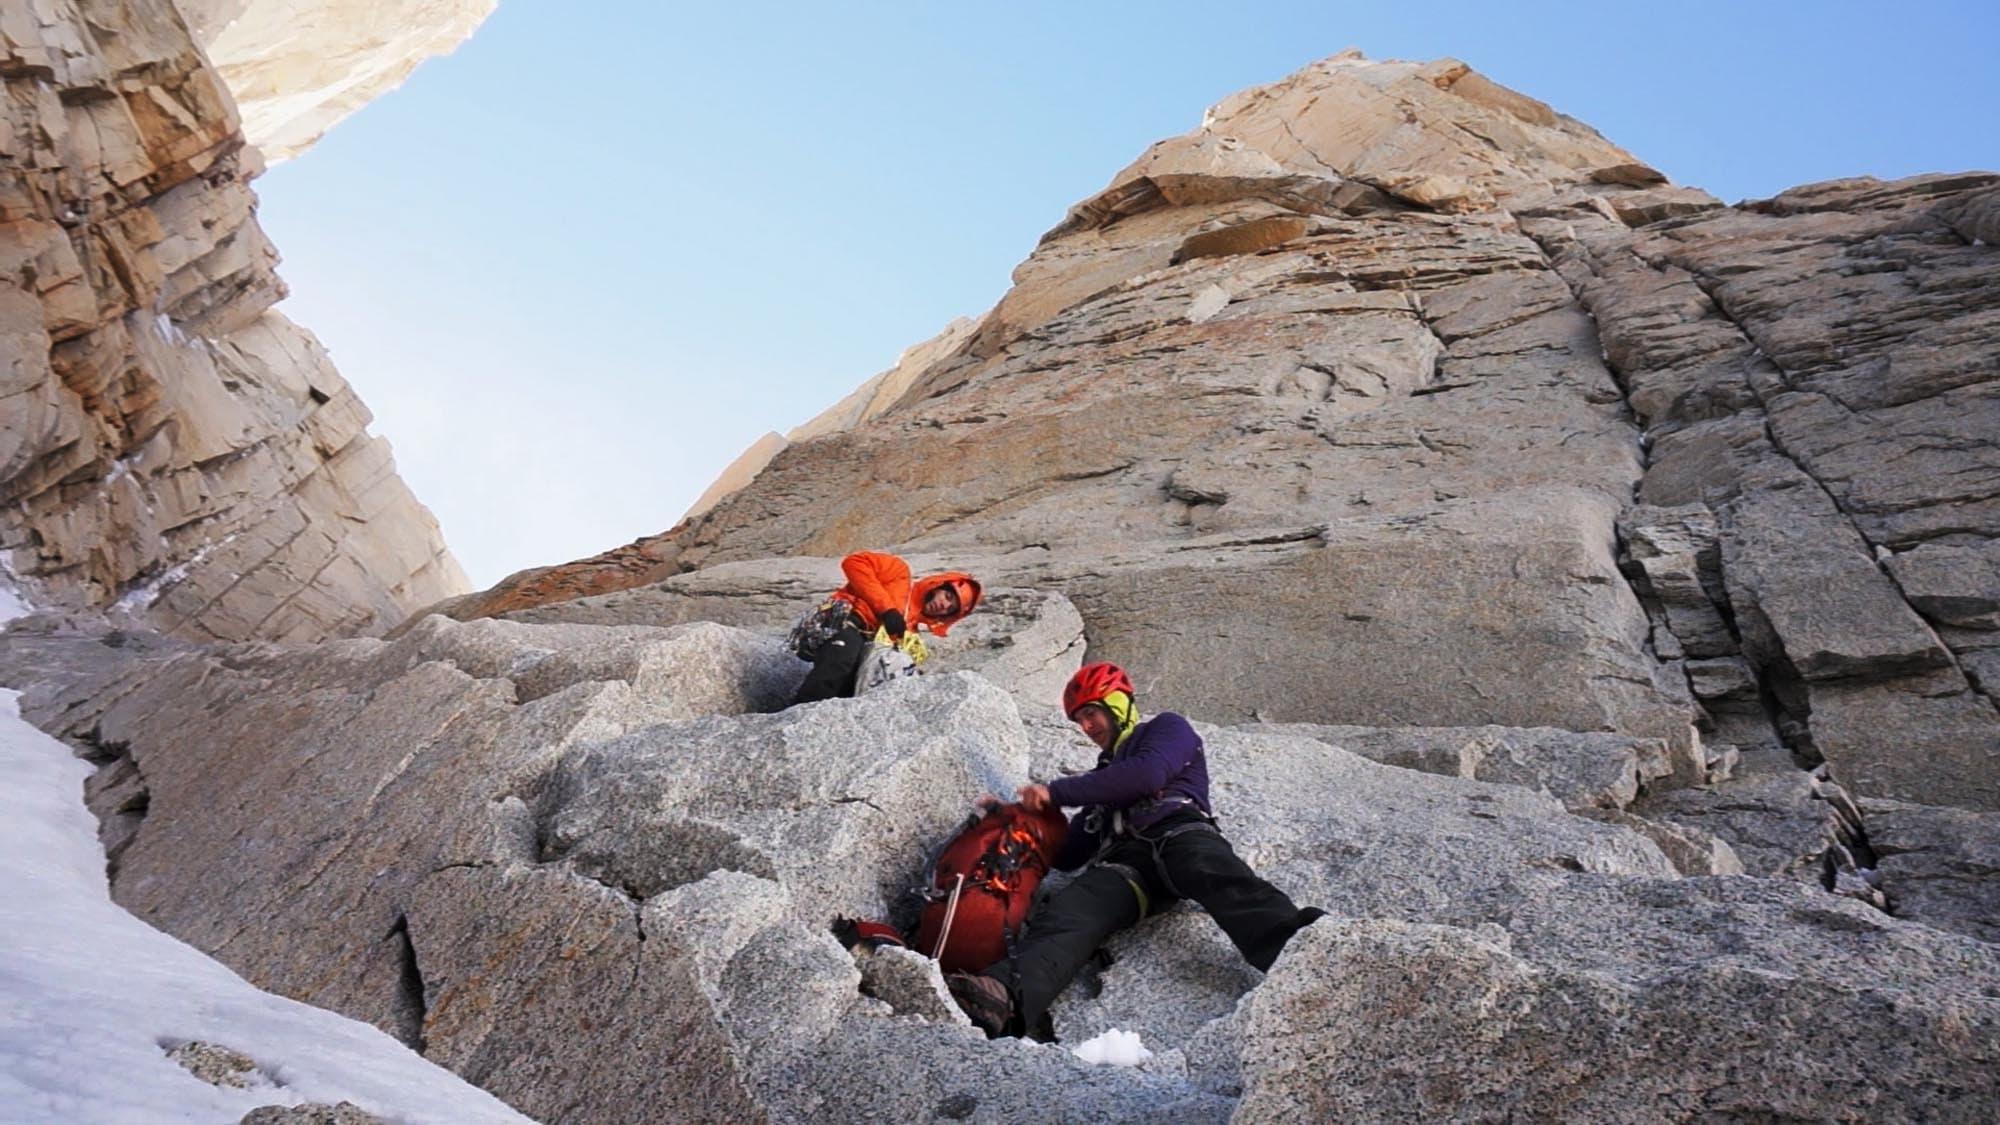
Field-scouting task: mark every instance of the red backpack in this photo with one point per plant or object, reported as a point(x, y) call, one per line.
point(983, 883)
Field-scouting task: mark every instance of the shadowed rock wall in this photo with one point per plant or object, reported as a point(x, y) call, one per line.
point(171, 443)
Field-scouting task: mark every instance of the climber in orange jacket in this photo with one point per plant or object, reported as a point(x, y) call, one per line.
point(879, 601)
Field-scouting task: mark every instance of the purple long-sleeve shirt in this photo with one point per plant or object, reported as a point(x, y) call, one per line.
point(1158, 771)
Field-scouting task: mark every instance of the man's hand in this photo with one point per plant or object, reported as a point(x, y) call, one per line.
point(1035, 796)
point(987, 802)
point(892, 621)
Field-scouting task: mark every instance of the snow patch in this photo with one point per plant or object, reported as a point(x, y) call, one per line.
point(165, 328)
point(141, 597)
point(1114, 1048)
point(12, 604)
point(91, 998)
point(1207, 303)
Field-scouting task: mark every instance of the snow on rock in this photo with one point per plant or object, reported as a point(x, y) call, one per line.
point(1115, 1048)
point(12, 605)
point(92, 1000)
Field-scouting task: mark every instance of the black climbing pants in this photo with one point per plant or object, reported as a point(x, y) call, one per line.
point(834, 667)
point(1185, 857)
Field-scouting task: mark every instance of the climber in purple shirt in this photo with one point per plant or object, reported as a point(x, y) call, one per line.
point(1145, 837)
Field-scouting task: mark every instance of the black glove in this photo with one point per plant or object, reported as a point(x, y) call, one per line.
point(892, 620)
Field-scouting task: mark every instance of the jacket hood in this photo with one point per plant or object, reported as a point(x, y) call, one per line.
point(1124, 715)
point(966, 586)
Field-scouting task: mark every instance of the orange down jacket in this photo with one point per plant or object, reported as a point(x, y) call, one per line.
point(878, 582)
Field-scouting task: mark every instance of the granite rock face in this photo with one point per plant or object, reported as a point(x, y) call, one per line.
point(1390, 397)
point(557, 859)
point(1941, 864)
point(1816, 377)
point(1617, 1001)
point(1514, 463)
point(1536, 544)
point(172, 444)
point(1265, 377)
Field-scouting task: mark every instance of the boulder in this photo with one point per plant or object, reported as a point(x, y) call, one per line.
point(1939, 866)
point(1580, 770)
point(1775, 822)
point(1584, 1001)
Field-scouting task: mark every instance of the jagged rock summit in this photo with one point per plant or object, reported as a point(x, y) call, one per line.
point(1578, 584)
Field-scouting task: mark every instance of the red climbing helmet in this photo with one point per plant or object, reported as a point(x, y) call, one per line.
point(1093, 682)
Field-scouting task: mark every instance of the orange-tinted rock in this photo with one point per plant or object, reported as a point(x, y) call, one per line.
point(171, 443)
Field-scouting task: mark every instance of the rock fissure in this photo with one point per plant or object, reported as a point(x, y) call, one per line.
point(1711, 288)
point(1774, 679)
point(1302, 146)
point(412, 1006)
point(117, 794)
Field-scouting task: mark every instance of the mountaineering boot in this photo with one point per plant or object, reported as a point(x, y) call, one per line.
point(983, 1000)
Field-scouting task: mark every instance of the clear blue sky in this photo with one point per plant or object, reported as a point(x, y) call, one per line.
point(580, 264)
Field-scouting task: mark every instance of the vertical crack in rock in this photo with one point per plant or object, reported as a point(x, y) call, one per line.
point(1286, 123)
point(1627, 567)
point(117, 794)
point(1782, 693)
point(411, 1009)
point(1849, 865)
point(1711, 287)
point(1435, 381)
point(639, 948)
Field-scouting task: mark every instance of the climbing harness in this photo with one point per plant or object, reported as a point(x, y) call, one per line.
point(811, 632)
